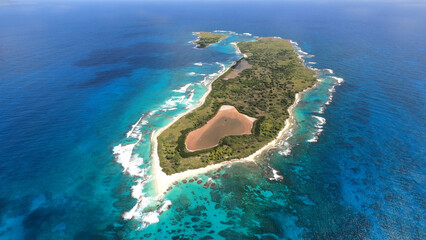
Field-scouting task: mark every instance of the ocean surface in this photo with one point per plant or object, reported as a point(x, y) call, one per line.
point(84, 85)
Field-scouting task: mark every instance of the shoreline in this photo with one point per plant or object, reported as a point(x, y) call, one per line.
point(198, 34)
point(194, 41)
point(162, 181)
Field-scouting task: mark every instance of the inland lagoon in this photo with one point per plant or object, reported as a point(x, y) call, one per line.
point(87, 88)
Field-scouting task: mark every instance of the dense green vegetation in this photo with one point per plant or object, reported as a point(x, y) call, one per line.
point(264, 91)
point(205, 39)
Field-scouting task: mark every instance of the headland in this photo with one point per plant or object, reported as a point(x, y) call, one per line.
point(206, 39)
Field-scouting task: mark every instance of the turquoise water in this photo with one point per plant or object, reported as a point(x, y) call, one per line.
point(84, 85)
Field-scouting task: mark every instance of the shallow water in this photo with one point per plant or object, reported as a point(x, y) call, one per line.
point(83, 85)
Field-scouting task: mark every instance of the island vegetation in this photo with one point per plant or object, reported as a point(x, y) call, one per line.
point(263, 91)
point(206, 39)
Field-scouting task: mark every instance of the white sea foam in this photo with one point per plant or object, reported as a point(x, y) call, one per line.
point(138, 210)
point(137, 189)
point(338, 79)
point(166, 205)
point(184, 88)
point(285, 153)
point(247, 34)
point(188, 101)
point(318, 126)
point(329, 70)
point(169, 109)
point(321, 121)
point(294, 43)
point(330, 99)
point(130, 162)
point(135, 130)
point(196, 74)
point(207, 79)
point(152, 217)
point(198, 64)
point(141, 210)
point(237, 49)
point(173, 102)
point(286, 146)
point(152, 112)
point(143, 202)
point(276, 176)
point(319, 129)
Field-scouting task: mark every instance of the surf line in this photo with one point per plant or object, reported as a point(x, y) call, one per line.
point(162, 181)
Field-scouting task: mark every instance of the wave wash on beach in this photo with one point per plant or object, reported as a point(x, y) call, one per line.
point(138, 155)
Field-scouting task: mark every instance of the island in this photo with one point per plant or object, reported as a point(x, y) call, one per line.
point(206, 39)
point(245, 109)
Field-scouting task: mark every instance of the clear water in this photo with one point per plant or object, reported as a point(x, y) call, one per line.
point(83, 85)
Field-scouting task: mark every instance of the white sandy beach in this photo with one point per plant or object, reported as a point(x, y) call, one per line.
point(163, 181)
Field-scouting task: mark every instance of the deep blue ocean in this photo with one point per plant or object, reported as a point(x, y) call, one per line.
point(84, 85)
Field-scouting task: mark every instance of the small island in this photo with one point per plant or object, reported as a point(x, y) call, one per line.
point(245, 109)
point(206, 39)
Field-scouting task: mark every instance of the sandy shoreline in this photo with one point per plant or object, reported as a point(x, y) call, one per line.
point(162, 181)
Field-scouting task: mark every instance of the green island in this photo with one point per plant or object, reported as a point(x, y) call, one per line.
point(206, 39)
point(263, 90)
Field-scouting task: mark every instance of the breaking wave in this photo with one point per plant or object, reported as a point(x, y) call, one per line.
point(148, 208)
point(327, 82)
